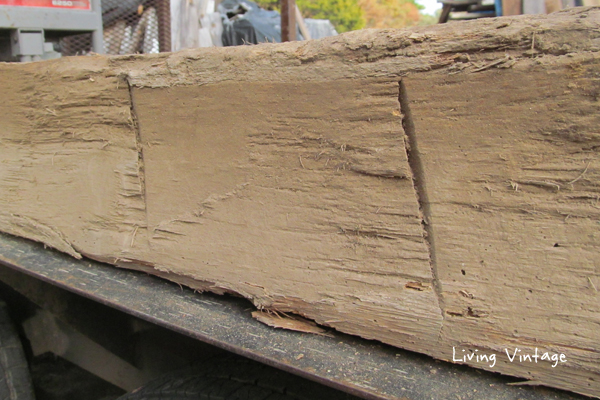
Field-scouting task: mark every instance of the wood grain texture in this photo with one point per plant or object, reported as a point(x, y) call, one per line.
point(300, 191)
point(513, 184)
point(435, 189)
point(69, 157)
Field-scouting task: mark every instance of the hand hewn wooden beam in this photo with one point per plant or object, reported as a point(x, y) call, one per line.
point(436, 189)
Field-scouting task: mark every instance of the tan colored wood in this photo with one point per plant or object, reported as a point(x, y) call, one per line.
point(301, 25)
point(435, 189)
point(512, 7)
point(517, 225)
point(553, 6)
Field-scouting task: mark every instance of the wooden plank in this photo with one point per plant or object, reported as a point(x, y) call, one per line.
point(445, 13)
point(553, 5)
point(301, 25)
point(512, 7)
point(288, 20)
point(404, 186)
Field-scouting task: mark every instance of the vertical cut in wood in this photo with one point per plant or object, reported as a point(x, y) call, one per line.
point(418, 177)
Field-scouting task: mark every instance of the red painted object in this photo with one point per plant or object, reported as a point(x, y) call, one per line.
point(68, 4)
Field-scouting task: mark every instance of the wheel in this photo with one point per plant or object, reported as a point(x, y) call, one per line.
point(233, 378)
point(15, 380)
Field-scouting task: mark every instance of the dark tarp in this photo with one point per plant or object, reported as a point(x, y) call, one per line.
point(247, 23)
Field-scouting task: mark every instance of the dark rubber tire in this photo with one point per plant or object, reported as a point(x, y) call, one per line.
point(15, 380)
point(233, 378)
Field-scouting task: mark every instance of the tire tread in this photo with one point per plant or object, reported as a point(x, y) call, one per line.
point(15, 379)
point(233, 378)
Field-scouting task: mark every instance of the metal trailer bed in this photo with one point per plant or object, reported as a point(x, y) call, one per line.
point(361, 367)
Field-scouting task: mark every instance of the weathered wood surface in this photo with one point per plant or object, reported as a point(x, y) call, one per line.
point(436, 189)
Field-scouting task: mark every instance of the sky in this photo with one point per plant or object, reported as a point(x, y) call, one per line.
point(430, 6)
